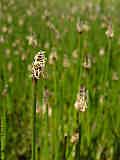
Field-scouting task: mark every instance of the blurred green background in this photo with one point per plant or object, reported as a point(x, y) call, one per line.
point(68, 31)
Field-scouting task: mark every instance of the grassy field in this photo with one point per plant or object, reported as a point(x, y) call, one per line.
point(81, 40)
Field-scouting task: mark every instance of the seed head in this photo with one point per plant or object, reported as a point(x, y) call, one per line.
point(53, 56)
point(38, 66)
point(66, 62)
point(87, 63)
point(31, 40)
point(75, 54)
point(79, 26)
point(115, 76)
point(82, 100)
point(102, 52)
point(109, 32)
point(5, 90)
point(74, 138)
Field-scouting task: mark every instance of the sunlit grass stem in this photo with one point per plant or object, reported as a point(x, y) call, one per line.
point(4, 133)
point(3, 124)
point(65, 147)
point(107, 59)
point(55, 118)
point(77, 152)
point(34, 120)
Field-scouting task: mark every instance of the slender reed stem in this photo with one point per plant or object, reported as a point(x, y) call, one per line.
point(77, 156)
point(108, 61)
point(3, 124)
point(55, 118)
point(34, 121)
point(4, 134)
point(65, 143)
point(107, 70)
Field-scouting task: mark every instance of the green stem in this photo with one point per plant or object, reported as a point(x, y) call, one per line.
point(65, 143)
point(3, 115)
point(3, 134)
point(34, 122)
point(47, 129)
point(55, 114)
point(108, 60)
point(107, 70)
point(77, 156)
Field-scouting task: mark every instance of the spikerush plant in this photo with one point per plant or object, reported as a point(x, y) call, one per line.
point(81, 106)
point(3, 131)
point(38, 71)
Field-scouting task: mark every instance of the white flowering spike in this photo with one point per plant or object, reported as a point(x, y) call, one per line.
point(74, 138)
point(82, 100)
point(109, 32)
point(38, 66)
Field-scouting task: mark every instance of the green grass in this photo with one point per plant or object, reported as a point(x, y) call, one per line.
point(54, 26)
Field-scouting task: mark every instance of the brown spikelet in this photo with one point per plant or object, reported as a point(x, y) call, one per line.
point(38, 66)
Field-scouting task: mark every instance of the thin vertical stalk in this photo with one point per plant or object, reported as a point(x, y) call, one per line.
point(102, 4)
point(107, 69)
point(3, 124)
point(65, 143)
point(77, 155)
point(34, 121)
point(47, 131)
point(79, 68)
point(47, 123)
point(108, 61)
point(4, 134)
point(81, 58)
point(55, 115)
point(79, 77)
point(105, 89)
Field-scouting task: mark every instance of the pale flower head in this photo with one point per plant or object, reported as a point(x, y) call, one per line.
point(115, 76)
point(87, 63)
point(86, 27)
point(38, 66)
point(74, 138)
point(102, 52)
point(109, 32)
point(4, 29)
point(79, 26)
point(81, 103)
point(44, 110)
point(75, 54)
point(66, 62)
point(47, 45)
point(31, 40)
point(53, 56)
point(9, 66)
point(24, 57)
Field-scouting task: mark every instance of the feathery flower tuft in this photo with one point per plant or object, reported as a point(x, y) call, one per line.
point(115, 76)
point(53, 56)
point(38, 66)
point(82, 100)
point(79, 26)
point(31, 41)
point(4, 93)
point(87, 63)
point(74, 138)
point(101, 52)
point(109, 32)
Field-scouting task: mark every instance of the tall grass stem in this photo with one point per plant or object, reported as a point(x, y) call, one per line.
point(34, 121)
